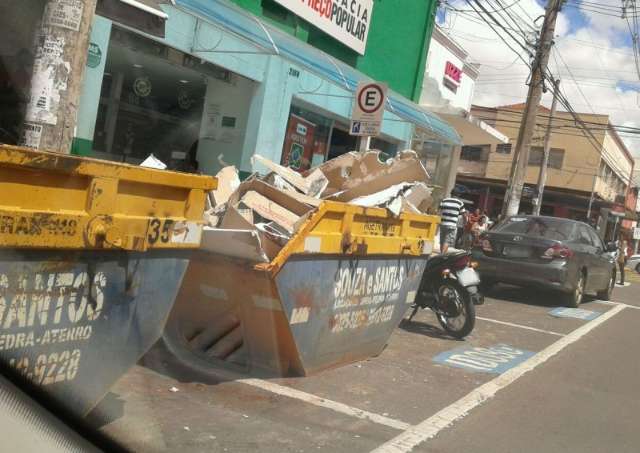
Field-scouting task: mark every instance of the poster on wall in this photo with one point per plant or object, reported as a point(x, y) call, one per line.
point(297, 152)
point(346, 21)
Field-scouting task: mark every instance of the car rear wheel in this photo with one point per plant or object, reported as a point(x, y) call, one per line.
point(638, 268)
point(574, 298)
point(605, 294)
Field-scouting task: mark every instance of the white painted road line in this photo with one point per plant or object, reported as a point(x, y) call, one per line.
point(430, 427)
point(608, 302)
point(520, 326)
point(328, 404)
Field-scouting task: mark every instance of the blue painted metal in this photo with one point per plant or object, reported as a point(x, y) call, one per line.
point(319, 311)
point(578, 313)
point(492, 359)
point(72, 323)
point(221, 13)
point(340, 309)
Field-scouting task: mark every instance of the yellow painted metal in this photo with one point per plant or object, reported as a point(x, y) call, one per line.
point(50, 200)
point(344, 229)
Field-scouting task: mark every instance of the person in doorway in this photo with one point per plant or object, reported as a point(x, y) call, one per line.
point(622, 257)
point(451, 210)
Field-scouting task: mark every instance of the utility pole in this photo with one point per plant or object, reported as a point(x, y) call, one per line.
point(542, 176)
point(60, 49)
point(523, 145)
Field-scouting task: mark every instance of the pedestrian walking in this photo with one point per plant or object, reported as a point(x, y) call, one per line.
point(451, 210)
point(622, 257)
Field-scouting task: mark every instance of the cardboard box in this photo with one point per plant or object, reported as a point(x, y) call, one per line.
point(270, 210)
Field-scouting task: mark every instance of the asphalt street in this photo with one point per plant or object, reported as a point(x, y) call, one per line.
point(532, 377)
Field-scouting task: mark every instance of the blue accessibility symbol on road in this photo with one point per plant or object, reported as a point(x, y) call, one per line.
point(578, 313)
point(492, 359)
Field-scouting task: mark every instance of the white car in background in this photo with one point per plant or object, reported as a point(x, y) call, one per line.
point(634, 263)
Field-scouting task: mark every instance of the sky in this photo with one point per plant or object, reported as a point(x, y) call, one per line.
point(592, 55)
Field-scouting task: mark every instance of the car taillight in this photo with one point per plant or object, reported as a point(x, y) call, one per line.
point(558, 251)
point(461, 263)
point(486, 245)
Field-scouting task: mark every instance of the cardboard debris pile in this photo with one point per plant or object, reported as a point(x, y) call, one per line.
point(272, 207)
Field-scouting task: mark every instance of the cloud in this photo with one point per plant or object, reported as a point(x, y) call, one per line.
point(592, 56)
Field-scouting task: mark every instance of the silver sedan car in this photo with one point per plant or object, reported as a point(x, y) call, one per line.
point(634, 263)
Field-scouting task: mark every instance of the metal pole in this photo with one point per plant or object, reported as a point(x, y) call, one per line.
point(61, 47)
point(542, 176)
point(528, 123)
point(363, 143)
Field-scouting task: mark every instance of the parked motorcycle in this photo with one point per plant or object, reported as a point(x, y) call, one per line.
point(450, 287)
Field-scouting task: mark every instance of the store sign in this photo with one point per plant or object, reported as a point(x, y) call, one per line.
point(452, 76)
point(344, 20)
point(368, 108)
point(453, 72)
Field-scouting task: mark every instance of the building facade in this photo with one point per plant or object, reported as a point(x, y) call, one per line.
point(583, 172)
point(230, 80)
point(208, 83)
point(447, 89)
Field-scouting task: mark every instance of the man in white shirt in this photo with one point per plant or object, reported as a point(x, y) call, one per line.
point(450, 211)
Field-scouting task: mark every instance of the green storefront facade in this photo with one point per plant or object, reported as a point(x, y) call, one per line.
point(397, 44)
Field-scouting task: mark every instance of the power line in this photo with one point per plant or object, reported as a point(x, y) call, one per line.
point(494, 11)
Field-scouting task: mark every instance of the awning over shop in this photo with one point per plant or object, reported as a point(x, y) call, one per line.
point(474, 131)
point(223, 14)
point(143, 15)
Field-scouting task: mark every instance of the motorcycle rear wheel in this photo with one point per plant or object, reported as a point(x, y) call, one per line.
point(461, 325)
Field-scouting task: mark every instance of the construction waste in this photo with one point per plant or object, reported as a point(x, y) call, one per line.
point(264, 212)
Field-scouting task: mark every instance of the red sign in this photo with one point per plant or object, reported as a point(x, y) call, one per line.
point(299, 143)
point(453, 72)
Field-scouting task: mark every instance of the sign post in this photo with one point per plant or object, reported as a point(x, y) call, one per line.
point(367, 112)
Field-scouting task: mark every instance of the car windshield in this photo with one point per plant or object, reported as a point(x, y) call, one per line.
point(540, 227)
point(276, 226)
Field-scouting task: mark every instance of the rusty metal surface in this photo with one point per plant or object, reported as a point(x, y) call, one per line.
point(320, 311)
point(73, 322)
point(349, 308)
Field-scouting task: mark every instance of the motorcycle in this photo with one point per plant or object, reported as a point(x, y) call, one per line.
point(450, 287)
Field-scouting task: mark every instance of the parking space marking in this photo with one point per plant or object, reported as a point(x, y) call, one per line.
point(608, 302)
point(493, 359)
point(328, 404)
point(430, 427)
point(520, 326)
point(578, 313)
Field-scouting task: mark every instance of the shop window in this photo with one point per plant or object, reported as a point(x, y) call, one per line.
point(475, 153)
point(503, 148)
point(436, 158)
point(158, 100)
point(556, 157)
